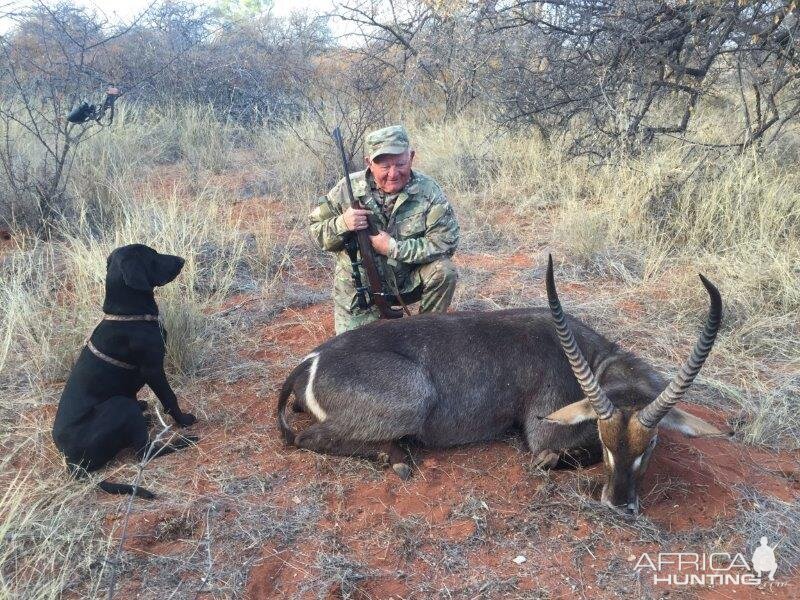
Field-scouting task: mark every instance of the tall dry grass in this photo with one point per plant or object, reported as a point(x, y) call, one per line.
point(52, 292)
point(735, 219)
point(52, 539)
point(643, 225)
point(151, 180)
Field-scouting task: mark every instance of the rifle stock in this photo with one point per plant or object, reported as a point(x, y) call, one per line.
point(377, 295)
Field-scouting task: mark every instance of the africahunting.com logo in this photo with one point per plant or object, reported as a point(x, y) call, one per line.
point(711, 569)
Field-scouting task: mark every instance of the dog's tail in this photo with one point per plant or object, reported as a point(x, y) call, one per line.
point(124, 488)
point(109, 486)
point(283, 400)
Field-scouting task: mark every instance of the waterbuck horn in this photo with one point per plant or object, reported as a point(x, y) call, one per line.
point(651, 414)
point(583, 373)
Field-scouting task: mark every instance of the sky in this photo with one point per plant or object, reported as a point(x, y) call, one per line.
point(127, 9)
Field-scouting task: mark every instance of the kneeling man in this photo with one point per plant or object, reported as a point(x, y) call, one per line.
point(418, 230)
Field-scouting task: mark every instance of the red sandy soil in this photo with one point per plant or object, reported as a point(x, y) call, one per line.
point(482, 502)
point(690, 484)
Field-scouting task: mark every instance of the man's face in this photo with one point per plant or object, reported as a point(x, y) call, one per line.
point(391, 171)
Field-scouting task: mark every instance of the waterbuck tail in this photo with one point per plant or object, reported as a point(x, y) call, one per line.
point(283, 400)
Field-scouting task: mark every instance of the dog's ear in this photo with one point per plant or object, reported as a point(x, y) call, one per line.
point(134, 274)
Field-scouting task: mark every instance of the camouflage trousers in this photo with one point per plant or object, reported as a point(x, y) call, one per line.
point(434, 292)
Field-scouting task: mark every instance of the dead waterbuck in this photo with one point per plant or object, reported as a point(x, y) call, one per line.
point(447, 379)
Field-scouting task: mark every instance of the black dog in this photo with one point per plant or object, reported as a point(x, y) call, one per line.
point(98, 414)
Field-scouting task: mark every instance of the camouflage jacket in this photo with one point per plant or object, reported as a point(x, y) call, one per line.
point(422, 223)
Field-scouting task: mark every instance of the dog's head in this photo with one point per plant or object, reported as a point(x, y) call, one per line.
point(141, 268)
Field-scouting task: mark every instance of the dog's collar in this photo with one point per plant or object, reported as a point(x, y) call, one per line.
point(108, 317)
point(107, 358)
point(113, 361)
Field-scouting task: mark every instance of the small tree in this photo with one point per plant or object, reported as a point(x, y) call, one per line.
point(50, 58)
point(621, 74)
point(434, 50)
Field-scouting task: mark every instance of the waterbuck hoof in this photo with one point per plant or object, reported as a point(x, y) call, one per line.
point(546, 459)
point(403, 470)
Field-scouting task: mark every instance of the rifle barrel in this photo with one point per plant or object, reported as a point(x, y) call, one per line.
point(364, 244)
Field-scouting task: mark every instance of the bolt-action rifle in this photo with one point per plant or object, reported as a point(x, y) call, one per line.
point(359, 249)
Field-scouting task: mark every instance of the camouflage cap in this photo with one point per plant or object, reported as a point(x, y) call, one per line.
point(389, 140)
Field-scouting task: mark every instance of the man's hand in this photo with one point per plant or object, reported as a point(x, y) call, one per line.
point(380, 242)
point(184, 419)
point(356, 218)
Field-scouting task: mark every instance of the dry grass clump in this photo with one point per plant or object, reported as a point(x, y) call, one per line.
point(779, 521)
point(51, 540)
point(298, 162)
point(472, 157)
point(740, 212)
point(52, 292)
point(737, 221)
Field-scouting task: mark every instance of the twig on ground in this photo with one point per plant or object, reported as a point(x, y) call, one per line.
point(209, 559)
point(148, 455)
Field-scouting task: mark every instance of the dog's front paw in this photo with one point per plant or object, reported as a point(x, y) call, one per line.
point(185, 419)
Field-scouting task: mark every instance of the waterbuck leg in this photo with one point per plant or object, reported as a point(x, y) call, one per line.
point(320, 438)
point(559, 446)
point(573, 458)
point(546, 459)
point(392, 454)
point(543, 441)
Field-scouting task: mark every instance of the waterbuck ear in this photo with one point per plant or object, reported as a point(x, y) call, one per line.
point(574, 413)
point(688, 424)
